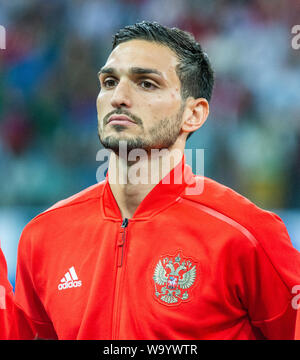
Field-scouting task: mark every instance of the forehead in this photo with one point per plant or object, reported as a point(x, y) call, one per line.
point(144, 54)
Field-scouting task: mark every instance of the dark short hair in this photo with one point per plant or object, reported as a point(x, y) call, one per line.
point(194, 69)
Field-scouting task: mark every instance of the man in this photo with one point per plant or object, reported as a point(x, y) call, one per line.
point(174, 256)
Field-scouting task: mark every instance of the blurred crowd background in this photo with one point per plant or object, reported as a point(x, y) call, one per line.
point(49, 85)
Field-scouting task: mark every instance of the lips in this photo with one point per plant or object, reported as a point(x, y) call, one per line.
point(120, 120)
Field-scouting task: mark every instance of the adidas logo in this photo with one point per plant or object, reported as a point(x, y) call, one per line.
point(70, 280)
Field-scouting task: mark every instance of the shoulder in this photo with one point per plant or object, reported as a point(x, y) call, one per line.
point(65, 210)
point(224, 202)
point(91, 193)
point(264, 230)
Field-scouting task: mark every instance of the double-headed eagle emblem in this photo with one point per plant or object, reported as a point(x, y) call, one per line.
point(172, 277)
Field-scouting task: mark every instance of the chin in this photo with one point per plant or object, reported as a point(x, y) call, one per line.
point(112, 142)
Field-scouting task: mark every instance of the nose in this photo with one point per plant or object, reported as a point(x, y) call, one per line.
point(121, 95)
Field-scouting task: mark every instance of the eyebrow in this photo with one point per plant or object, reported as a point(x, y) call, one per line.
point(133, 71)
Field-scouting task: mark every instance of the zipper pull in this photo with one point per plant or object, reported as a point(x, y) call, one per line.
point(124, 223)
point(121, 242)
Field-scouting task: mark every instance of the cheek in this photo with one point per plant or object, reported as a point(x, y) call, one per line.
point(102, 103)
point(98, 102)
point(164, 105)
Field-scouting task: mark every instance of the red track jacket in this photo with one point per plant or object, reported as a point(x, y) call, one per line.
point(187, 265)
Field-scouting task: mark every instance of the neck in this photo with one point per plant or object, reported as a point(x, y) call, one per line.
point(131, 180)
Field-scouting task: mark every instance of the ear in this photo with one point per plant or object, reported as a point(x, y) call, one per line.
point(195, 114)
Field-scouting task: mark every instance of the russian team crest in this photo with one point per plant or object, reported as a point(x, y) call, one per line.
point(174, 277)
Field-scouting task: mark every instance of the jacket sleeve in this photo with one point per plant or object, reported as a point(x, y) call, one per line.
point(270, 273)
point(263, 267)
point(27, 300)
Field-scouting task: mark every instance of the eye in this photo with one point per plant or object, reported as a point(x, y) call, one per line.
point(109, 83)
point(147, 85)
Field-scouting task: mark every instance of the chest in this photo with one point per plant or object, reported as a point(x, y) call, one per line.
point(133, 281)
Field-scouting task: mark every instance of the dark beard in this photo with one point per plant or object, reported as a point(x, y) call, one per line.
point(112, 143)
point(162, 136)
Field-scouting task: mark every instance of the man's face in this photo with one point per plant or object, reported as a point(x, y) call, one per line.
point(140, 100)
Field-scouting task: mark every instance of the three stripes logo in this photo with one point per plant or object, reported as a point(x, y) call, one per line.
point(70, 280)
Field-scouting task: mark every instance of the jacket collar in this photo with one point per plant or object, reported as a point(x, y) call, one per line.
point(164, 194)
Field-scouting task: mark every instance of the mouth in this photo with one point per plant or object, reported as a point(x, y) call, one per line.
point(120, 120)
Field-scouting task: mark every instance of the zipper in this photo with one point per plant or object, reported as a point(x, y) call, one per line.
point(120, 261)
point(121, 242)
